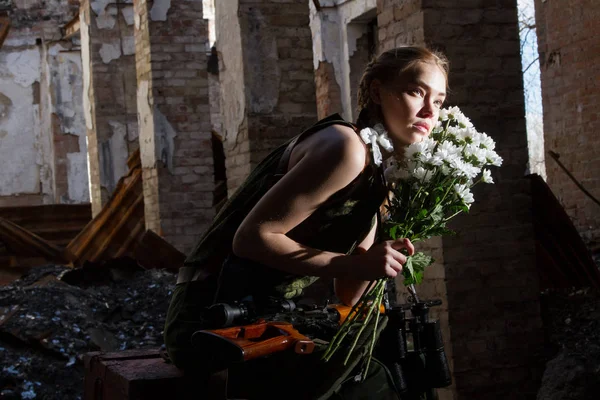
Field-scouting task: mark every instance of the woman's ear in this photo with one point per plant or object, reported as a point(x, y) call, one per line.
point(375, 91)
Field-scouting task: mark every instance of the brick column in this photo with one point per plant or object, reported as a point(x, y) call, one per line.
point(569, 51)
point(267, 81)
point(327, 59)
point(174, 116)
point(491, 283)
point(108, 62)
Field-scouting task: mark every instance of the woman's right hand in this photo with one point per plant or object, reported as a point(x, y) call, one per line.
point(383, 260)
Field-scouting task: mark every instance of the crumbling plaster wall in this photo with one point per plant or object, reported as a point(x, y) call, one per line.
point(231, 76)
point(334, 41)
point(110, 101)
point(26, 168)
point(39, 107)
point(65, 94)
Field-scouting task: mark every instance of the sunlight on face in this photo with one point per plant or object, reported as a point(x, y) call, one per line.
point(411, 106)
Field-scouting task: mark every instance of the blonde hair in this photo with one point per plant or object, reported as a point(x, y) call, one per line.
point(389, 66)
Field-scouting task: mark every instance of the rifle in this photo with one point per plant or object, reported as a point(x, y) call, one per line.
point(411, 347)
point(247, 330)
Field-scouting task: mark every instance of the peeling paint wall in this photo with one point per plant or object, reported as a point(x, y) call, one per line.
point(69, 133)
point(334, 41)
point(22, 169)
point(42, 136)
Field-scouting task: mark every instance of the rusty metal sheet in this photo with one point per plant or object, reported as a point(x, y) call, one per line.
point(154, 252)
point(116, 230)
point(20, 241)
point(71, 28)
point(56, 223)
point(4, 28)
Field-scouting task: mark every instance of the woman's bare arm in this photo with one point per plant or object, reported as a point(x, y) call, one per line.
point(330, 160)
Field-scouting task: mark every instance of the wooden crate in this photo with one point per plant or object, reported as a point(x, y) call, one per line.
point(133, 374)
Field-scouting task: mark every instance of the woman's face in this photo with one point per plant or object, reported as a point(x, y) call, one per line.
point(411, 108)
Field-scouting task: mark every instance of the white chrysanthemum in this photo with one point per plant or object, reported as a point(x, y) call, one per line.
point(469, 136)
point(454, 112)
point(480, 154)
point(464, 193)
point(471, 171)
point(430, 143)
point(422, 174)
point(493, 158)
point(463, 169)
point(415, 150)
point(447, 151)
point(486, 141)
point(486, 177)
point(443, 115)
point(435, 160)
point(463, 121)
point(454, 130)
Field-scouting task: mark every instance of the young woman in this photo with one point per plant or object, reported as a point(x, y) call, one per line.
point(310, 209)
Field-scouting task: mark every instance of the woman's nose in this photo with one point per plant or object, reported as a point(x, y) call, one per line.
point(427, 110)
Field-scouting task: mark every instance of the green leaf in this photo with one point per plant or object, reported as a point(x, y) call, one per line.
point(437, 214)
point(393, 231)
point(414, 267)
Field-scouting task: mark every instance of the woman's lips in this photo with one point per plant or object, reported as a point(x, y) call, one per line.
point(422, 128)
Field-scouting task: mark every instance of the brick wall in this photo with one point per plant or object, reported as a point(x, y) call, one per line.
point(490, 278)
point(174, 114)
point(111, 117)
point(399, 23)
point(329, 97)
point(277, 92)
point(569, 48)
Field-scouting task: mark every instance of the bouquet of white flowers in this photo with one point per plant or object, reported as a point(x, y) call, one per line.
point(430, 185)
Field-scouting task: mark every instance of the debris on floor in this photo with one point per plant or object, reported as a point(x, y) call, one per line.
point(47, 324)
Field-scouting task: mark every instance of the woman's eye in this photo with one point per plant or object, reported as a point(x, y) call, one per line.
point(418, 92)
point(439, 103)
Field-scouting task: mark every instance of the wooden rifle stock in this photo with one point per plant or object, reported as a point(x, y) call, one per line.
point(243, 343)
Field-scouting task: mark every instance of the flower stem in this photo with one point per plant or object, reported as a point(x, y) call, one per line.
point(372, 345)
point(346, 325)
point(371, 308)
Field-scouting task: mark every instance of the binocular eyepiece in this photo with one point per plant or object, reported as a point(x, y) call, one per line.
point(413, 350)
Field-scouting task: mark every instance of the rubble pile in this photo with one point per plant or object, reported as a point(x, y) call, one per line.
point(572, 329)
point(52, 316)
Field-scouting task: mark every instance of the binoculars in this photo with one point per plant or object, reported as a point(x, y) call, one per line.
point(413, 350)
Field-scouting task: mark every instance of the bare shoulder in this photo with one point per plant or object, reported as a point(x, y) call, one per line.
point(336, 145)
